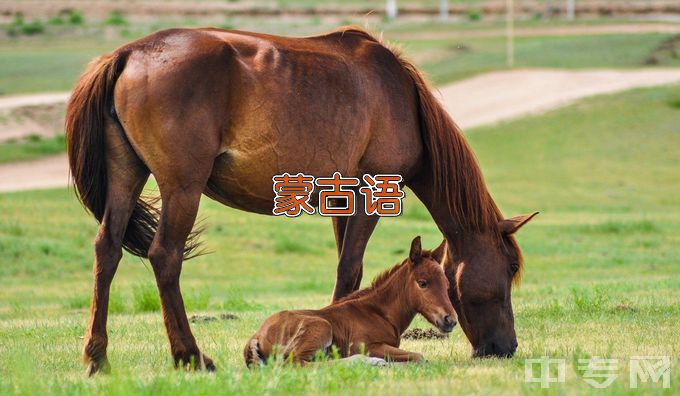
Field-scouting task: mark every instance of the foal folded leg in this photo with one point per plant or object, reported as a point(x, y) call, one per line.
point(126, 176)
point(310, 335)
point(394, 354)
point(180, 206)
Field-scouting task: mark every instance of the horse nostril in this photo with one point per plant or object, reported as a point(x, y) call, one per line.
point(448, 321)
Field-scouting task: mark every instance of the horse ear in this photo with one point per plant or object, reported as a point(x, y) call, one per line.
point(439, 253)
point(511, 225)
point(416, 252)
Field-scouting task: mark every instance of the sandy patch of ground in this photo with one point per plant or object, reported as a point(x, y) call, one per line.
point(500, 96)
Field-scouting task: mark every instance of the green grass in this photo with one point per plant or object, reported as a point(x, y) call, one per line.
point(40, 64)
point(31, 148)
point(446, 60)
point(602, 271)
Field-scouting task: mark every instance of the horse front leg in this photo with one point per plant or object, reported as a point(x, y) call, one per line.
point(357, 232)
point(180, 206)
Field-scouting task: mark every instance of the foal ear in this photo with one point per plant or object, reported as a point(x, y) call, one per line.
point(511, 225)
point(439, 253)
point(416, 252)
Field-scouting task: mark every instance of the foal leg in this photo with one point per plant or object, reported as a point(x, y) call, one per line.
point(180, 205)
point(126, 177)
point(357, 231)
point(393, 354)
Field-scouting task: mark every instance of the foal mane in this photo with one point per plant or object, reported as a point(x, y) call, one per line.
point(379, 280)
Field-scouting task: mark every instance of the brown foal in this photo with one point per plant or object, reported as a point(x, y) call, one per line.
point(370, 320)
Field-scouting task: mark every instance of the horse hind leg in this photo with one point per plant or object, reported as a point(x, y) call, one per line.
point(126, 176)
point(180, 196)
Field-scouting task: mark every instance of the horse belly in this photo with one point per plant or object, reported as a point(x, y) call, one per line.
point(244, 179)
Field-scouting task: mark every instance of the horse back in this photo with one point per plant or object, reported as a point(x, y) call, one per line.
point(259, 105)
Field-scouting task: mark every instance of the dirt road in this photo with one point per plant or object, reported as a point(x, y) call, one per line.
point(500, 96)
point(481, 100)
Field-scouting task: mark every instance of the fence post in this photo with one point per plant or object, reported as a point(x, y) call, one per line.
point(570, 9)
point(443, 10)
point(391, 9)
point(510, 33)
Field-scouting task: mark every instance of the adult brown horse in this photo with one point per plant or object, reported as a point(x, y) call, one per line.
point(217, 112)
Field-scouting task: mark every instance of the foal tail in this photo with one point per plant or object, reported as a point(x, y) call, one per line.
point(252, 355)
point(88, 112)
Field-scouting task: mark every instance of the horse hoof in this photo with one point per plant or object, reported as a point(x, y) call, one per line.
point(100, 366)
point(209, 365)
point(192, 362)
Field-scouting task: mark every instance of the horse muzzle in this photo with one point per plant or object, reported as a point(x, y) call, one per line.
point(446, 324)
point(495, 349)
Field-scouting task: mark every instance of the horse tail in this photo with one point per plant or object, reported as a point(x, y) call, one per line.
point(89, 110)
point(252, 354)
point(457, 176)
point(86, 115)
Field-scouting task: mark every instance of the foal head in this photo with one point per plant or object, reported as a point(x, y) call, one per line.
point(427, 288)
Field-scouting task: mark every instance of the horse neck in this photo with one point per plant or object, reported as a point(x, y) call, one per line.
point(391, 299)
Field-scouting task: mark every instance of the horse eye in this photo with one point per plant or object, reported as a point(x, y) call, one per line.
point(514, 267)
point(422, 284)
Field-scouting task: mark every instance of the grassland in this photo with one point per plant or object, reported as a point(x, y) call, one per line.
point(33, 147)
point(602, 271)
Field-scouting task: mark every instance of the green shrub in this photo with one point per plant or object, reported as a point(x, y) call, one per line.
point(74, 17)
point(474, 15)
point(116, 18)
point(34, 137)
point(34, 27)
point(674, 103)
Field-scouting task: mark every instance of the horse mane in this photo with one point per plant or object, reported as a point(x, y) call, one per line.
point(457, 176)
